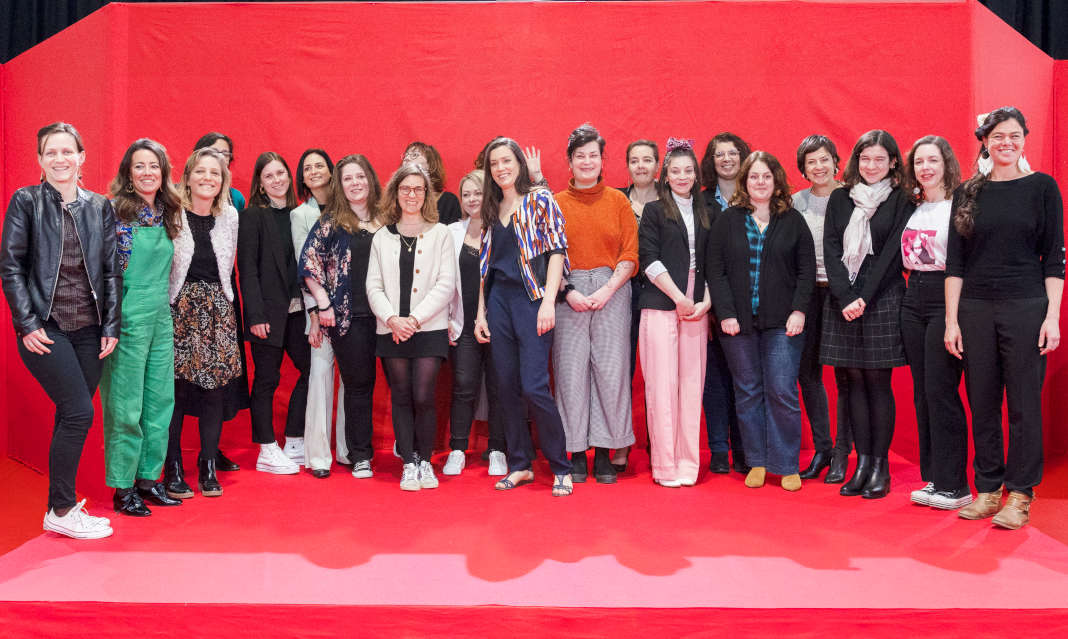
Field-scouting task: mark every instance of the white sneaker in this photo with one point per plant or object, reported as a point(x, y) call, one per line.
point(455, 463)
point(951, 499)
point(426, 475)
point(668, 483)
point(273, 460)
point(923, 495)
point(687, 482)
point(410, 477)
point(78, 524)
point(294, 449)
point(362, 469)
point(498, 464)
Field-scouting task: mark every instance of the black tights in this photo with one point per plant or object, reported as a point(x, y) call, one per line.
point(871, 409)
point(190, 398)
point(412, 383)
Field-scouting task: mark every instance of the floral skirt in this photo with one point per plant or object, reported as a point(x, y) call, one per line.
point(207, 351)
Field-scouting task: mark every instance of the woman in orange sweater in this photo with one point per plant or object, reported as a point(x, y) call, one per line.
point(591, 349)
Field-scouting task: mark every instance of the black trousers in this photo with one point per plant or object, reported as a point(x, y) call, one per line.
point(471, 363)
point(721, 418)
point(207, 404)
point(69, 376)
point(1001, 356)
point(813, 393)
point(355, 355)
point(267, 361)
point(940, 420)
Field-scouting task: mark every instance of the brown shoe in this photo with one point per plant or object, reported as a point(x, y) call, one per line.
point(1016, 511)
point(985, 505)
point(791, 482)
point(755, 478)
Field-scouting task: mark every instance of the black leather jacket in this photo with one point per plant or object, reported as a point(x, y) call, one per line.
point(32, 247)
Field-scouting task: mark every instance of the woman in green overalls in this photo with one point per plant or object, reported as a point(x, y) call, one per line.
point(137, 388)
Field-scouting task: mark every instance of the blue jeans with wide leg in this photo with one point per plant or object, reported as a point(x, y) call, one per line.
point(764, 365)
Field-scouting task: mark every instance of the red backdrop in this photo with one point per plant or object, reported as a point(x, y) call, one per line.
point(370, 77)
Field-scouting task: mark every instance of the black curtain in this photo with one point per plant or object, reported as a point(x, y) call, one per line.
point(24, 23)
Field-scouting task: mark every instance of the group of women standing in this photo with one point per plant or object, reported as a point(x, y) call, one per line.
point(733, 295)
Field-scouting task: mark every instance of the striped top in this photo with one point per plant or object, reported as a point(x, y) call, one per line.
point(538, 225)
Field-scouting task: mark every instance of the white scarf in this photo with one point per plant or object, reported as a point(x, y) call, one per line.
point(856, 243)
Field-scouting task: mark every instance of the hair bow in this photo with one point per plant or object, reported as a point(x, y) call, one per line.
point(674, 144)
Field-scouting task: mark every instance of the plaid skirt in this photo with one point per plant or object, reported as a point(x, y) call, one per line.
point(871, 341)
point(206, 345)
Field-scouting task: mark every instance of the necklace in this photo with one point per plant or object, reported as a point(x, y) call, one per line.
point(404, 241)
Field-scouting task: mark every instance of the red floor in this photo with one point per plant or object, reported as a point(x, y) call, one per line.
point(770, 558)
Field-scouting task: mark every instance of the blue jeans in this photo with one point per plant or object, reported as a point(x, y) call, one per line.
point(764, 365)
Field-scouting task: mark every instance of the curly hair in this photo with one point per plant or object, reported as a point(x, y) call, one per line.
point(780, 196)
point(967, 209)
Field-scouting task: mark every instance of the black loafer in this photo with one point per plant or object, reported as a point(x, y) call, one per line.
point(157, 495)
point(224, 463)
point(719, 463)
point(579, 468)
point(128, 502)
point(320, 473)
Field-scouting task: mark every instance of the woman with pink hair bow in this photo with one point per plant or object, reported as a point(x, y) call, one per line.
point(673, 328)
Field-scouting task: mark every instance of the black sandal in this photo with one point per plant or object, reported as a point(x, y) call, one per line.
point(506, 482)
point(560, 489)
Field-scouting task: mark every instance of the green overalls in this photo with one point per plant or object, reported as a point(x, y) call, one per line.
point(137, 387)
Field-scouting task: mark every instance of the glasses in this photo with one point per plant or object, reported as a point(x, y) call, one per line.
point(411, 190)
point(726, 154)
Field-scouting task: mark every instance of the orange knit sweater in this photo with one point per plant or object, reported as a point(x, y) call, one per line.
point(600, 227)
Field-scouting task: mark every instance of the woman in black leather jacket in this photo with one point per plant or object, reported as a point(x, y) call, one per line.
point(57, 263)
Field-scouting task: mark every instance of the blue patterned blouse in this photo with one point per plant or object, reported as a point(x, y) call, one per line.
point(146, 217)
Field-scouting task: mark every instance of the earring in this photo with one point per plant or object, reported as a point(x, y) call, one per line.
point(128, 188)
point(1023, 165)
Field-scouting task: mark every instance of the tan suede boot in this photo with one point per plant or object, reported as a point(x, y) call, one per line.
point(1016, 511)
point(985, 505)
point(791, 482)
point(755, 478)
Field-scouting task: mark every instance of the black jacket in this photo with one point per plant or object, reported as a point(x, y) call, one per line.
point(666, 240)
point(32, 249)
point(787, 269)
point(265, 274)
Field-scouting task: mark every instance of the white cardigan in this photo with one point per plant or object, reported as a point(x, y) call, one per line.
point(301, 221)
point(433, 282)
point(223, 241)
point(456, 304)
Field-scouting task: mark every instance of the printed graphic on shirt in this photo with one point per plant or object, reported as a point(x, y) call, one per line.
point(921, 249)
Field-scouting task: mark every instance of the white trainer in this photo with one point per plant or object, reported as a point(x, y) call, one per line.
point(362, 469)
point(294, 449)
point(410, 477)
point(668, 483)
point(273, 460)
point(454, 465)
point(498, 464)
point(951, 499)
point(78, 524)
point(923, 495)
point(426, 475)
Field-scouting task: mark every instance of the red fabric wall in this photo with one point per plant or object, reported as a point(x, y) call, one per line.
point(370, 77)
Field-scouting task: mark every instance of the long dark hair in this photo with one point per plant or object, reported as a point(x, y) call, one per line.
point(491, 193)
point(663, 189)
point(337, 208)
point(128, 203)
point(303, 192)
point(257, 196)
point(950, 173)
point(875, 137)
point(967, 209)
point(708, 160)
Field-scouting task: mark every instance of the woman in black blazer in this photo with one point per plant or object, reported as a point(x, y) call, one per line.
point(673, 327)
point(274, 312)
point(761, 271)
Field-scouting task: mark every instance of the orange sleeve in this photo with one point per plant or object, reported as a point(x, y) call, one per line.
point(628, 229)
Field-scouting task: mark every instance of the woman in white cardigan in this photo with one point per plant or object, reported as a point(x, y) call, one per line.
point(411, 278)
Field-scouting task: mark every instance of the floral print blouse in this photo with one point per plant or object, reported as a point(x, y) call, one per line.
point(146, 217)
point(328, 259)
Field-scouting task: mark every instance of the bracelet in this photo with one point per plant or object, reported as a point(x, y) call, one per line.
point(418, 325)
point(561, 297)
point(328, 307)
point(313, 310)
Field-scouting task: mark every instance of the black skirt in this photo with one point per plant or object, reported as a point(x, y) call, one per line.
point(872, 341)
point(422, 344)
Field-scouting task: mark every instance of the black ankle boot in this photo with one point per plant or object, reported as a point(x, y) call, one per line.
point(209, 485)
point(855, 486)
point(579, 467)
point(836, 472)
point(174, 480)
point(157, 494)
point(224, 463)
point(878, 485)
point(128, 502)
point(820, 460)
point(603, 471)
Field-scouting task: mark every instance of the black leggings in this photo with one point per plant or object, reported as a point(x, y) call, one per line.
point(412, 383)
point(871, 409)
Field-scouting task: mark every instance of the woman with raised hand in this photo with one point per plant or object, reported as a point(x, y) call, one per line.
point(207, 346)
point(674, 328)
point(932, 174)
point(428, 159)
point(861, 320)
point(314, 188)
point(411, 277)
point(137, 388)
point(1004, 281)
point(590, 346)
point(471, 361)
point(333, 269)
point(818, 162)
point(522, 262)
point(274, 312)
point(61, 281)
point(761, 271)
